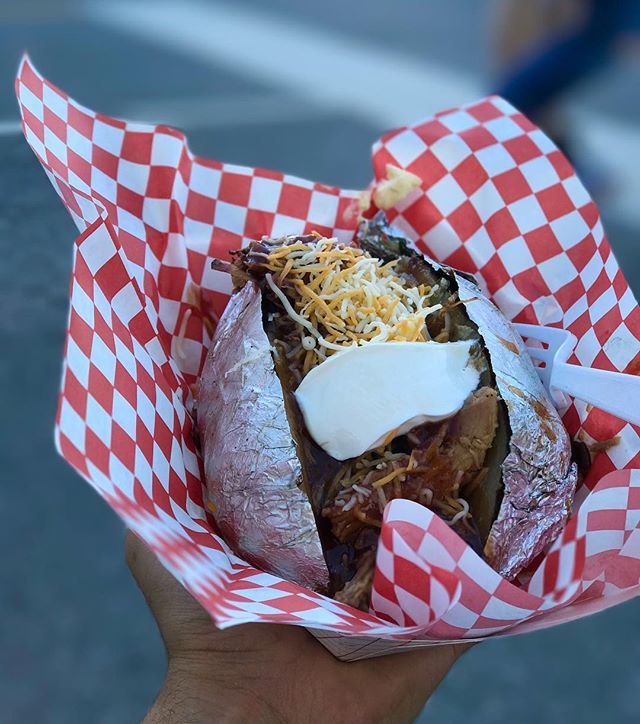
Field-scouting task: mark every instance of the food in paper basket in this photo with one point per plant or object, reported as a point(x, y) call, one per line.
point(343, 376)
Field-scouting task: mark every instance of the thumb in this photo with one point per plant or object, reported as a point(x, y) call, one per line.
point(180, 618)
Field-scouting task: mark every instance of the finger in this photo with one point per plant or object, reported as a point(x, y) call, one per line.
point(423, 669)
point(180, 618)
point(187, 628)
point(410, 678)
point(156, 583)
point(150, 575)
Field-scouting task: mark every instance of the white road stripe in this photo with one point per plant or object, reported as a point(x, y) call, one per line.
point(222, 111)
point(380, 85)
point(206, 112)
point(311, 63)
point(10, 127)
point(615, 145)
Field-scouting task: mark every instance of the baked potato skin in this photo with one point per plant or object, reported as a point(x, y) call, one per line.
point(252, 470)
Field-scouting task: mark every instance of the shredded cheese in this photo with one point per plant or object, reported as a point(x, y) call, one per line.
point(337, 297)
point(461, 514)
point(340, 296)
point(388, 478)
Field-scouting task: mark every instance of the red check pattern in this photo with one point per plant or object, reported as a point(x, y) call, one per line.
point(497, 198)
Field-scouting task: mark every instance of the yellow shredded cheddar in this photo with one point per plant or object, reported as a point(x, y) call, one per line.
point(287, 268)
point(342, 296)
point(388, 478)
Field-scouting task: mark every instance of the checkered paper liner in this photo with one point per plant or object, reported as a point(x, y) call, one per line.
point(497, 199)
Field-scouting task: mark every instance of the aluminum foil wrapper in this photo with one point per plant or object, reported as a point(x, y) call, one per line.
point(538, 476)
point(251, 467)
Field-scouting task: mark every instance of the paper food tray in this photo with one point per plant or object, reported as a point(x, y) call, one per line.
point(497, 199)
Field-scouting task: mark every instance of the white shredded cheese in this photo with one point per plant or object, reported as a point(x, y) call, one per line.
point(360, 489)
point(382, 498)
point(341, 297)
point(350, 503)
point(461, 514)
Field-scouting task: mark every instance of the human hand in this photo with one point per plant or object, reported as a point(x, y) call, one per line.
point(267, 673)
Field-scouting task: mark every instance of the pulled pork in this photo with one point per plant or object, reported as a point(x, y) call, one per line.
point(443, 463)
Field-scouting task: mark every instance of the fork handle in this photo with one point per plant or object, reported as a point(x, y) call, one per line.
point(613, 392)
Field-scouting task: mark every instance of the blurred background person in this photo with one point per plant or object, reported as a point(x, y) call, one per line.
point(545, 47)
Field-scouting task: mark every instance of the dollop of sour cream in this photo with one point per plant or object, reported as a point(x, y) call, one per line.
point(365, 396)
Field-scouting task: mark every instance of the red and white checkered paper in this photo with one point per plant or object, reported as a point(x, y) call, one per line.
point(497, 199)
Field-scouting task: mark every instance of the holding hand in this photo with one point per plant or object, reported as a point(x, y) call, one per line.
point(265, 673)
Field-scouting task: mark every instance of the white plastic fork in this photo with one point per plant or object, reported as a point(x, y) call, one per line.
point(613, 392)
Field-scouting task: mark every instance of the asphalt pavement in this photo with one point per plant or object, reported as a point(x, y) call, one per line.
point(76, 641)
